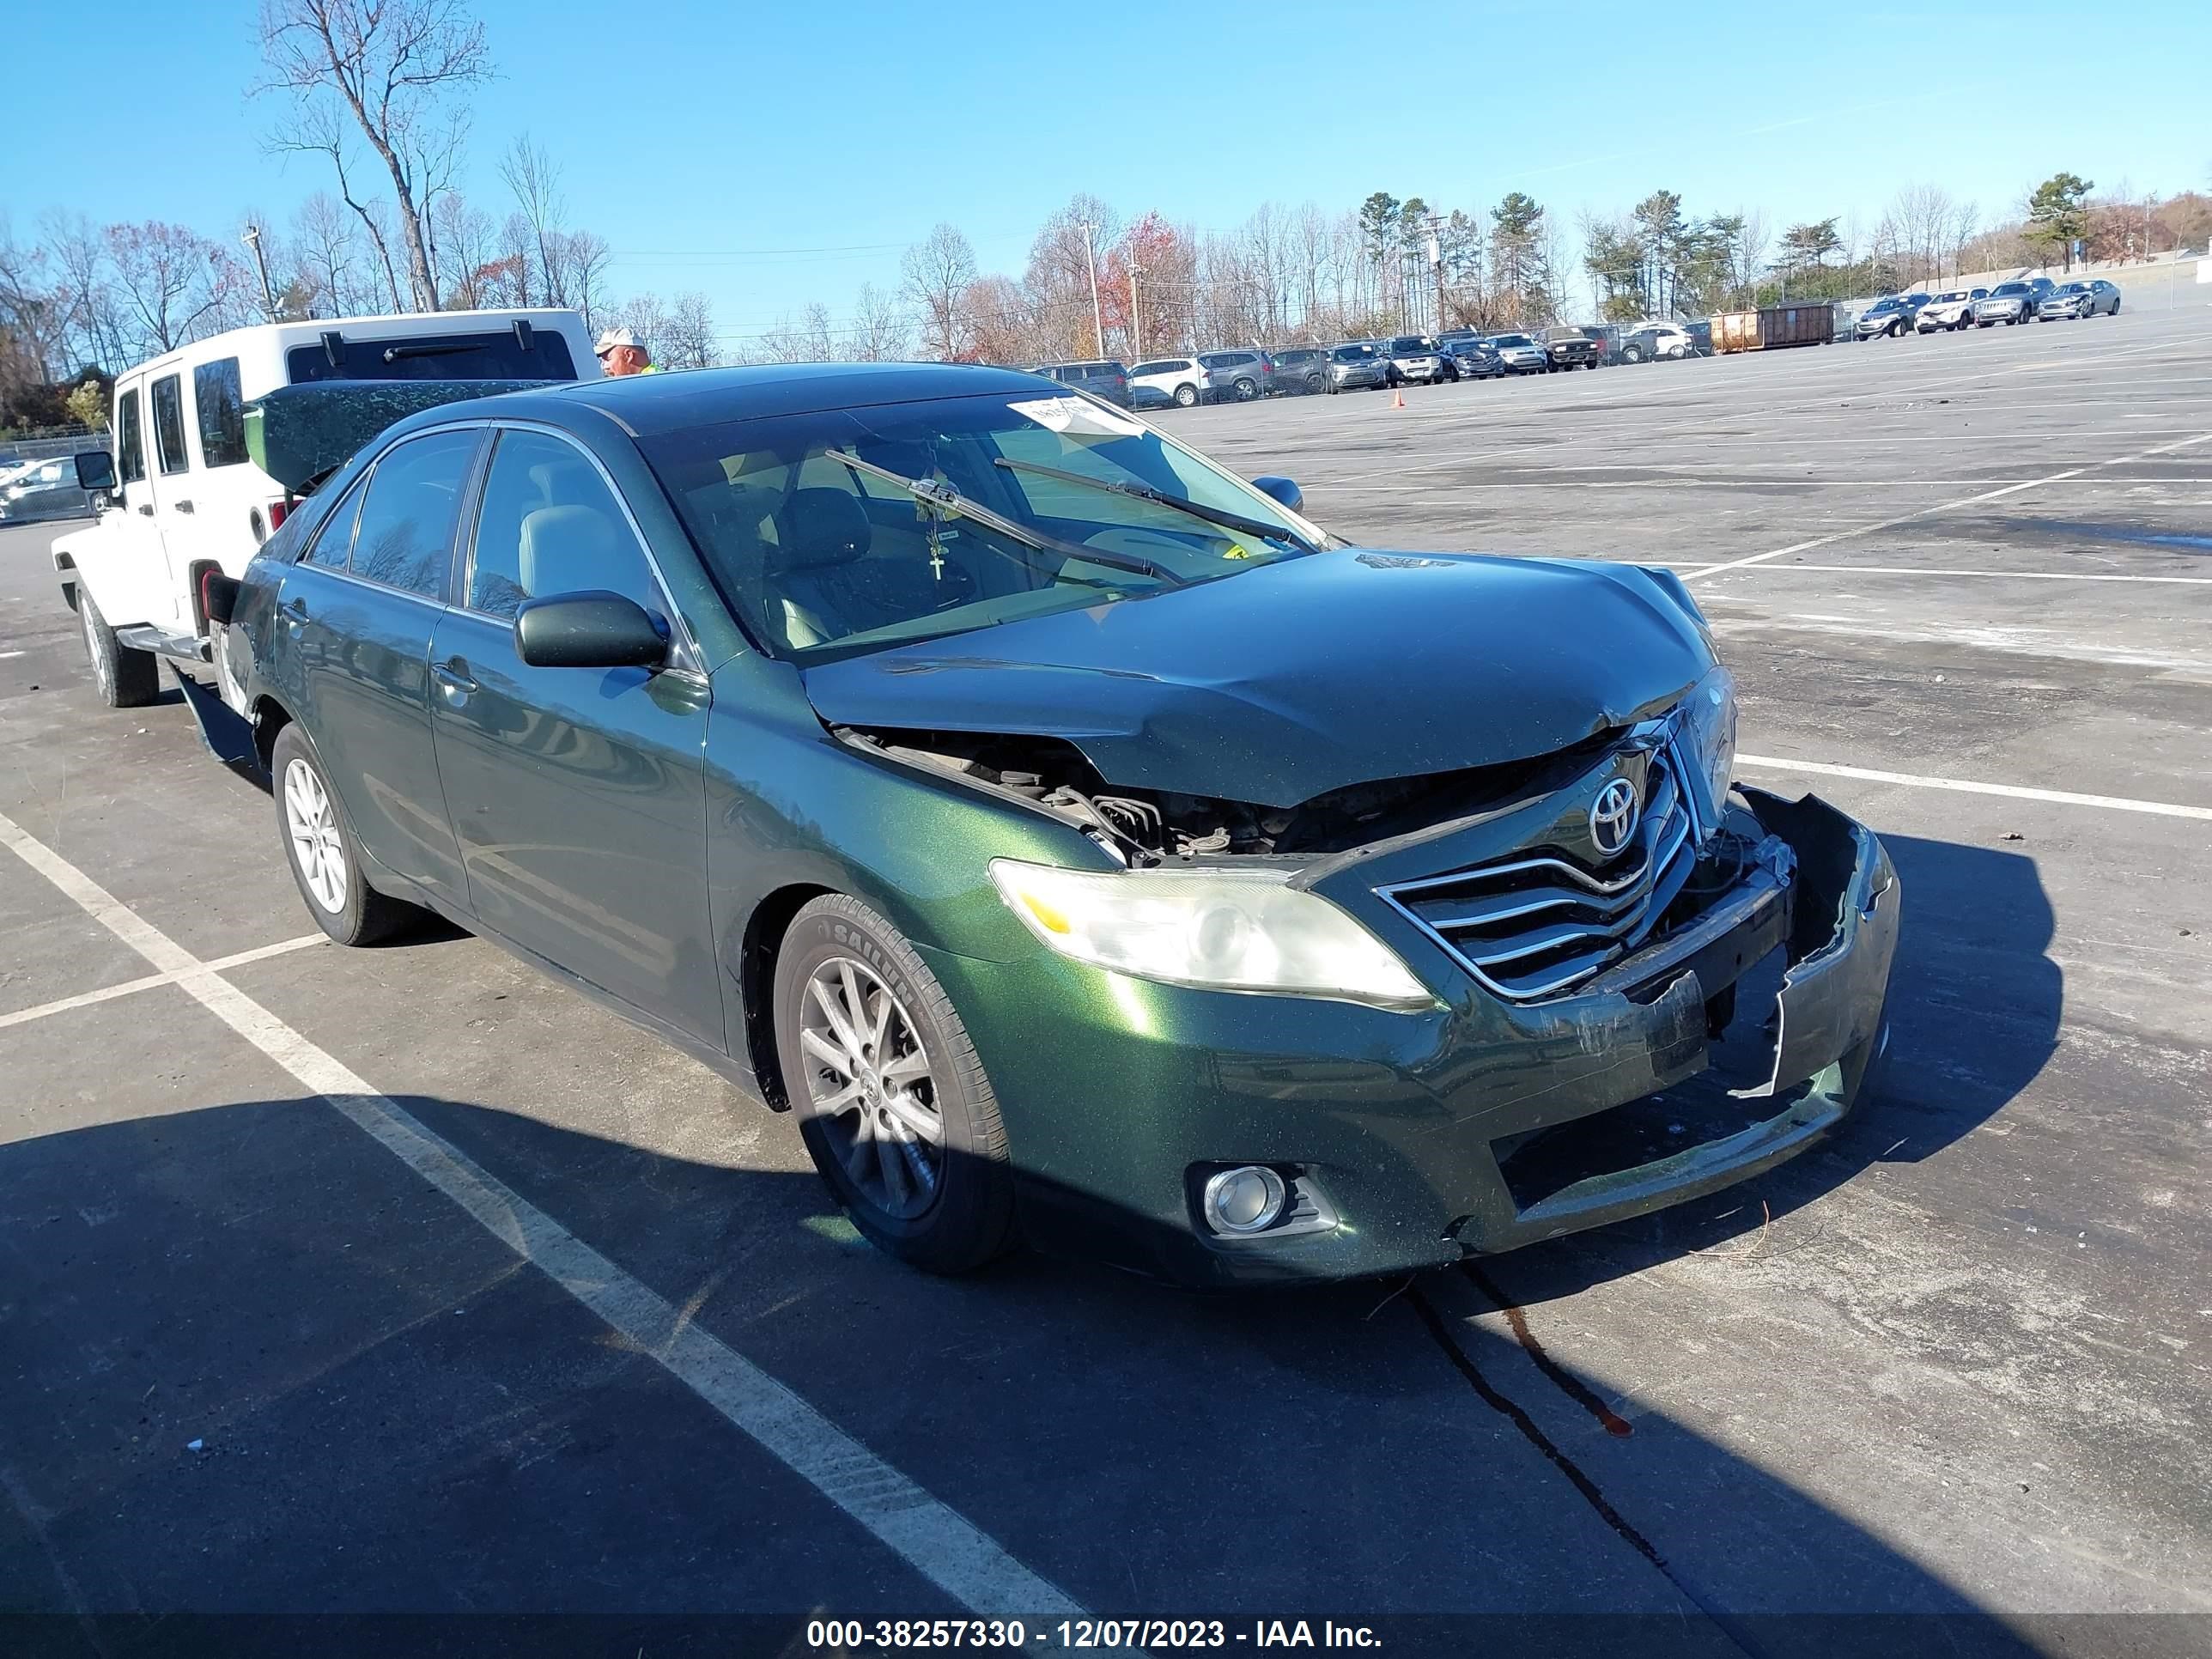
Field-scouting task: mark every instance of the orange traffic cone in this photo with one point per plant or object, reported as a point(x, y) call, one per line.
point(1397, 397)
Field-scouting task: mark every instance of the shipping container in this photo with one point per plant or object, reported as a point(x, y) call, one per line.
point(1811, 322)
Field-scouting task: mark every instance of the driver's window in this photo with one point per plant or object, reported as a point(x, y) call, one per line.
point(550, 524)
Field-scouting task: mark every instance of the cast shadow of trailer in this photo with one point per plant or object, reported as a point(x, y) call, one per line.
point(1974, 1007)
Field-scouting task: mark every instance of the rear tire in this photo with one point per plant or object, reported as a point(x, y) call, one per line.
point(126, 676)
point(1246, 391)
point(319, 846)
point(946, 1204)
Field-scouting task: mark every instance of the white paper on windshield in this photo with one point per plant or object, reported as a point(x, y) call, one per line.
point(1078, 417)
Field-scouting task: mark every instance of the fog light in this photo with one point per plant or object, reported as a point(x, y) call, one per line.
point(1245, 1200)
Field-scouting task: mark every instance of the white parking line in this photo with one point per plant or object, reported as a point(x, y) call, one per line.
point(1963, 786)
point(109, 992)
point(936, 1540)
point(1944, 506)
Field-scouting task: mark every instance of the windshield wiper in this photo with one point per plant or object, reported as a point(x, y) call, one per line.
point(931, 496)
point(1147, 493)
point(430, 349)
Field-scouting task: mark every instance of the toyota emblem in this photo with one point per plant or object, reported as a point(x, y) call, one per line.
point(1613, 816)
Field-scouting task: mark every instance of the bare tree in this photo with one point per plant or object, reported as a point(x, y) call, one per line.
point(535, 179)
point(686, 337)
point(585, 260)
point(469, 250)
point(174, 282)
point(879, 327)
point(937, 271)
point(392, 65)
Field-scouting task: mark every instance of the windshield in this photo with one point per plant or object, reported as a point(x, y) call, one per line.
point(1945, 299)
point(1512, 340)
point(822, 559)
point(1351, 354)
point(2012, 288)
point(1405, 343)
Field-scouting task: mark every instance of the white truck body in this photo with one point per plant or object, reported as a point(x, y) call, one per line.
point(188, 495)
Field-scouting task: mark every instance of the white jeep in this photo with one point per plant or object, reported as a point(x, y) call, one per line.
point(184, 495)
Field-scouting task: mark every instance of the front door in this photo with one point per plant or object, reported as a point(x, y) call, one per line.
point(578, 794)
point(360, 606)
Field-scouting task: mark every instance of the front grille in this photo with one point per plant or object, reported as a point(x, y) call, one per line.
point(1536, 925)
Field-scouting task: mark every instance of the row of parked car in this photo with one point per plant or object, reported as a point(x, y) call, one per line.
point(2023, 300)
point(1244, 374)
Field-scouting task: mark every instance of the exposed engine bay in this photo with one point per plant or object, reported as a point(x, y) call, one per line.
point(1148, 826)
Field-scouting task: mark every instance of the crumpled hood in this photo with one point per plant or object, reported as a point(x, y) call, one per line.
point(1289, 681)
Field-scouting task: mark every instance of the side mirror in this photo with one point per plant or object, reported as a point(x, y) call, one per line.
point(1281, 489)
point(95, 469)
point(596, 630)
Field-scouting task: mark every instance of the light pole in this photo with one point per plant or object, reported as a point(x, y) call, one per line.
point(1090, 261)
point(1436, 265)
point(1136, 327)
point(252, 240)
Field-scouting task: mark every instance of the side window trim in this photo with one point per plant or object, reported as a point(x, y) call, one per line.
point(687, 657)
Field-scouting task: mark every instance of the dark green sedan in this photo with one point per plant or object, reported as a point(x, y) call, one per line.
point(1085, 845)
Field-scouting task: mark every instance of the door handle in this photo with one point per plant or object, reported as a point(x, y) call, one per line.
point(147, 508)
point(183, 506)
point(293, 611)
point(454, 673)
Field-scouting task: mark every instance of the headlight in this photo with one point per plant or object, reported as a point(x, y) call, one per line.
point(1706, 736)
point(1227, 930)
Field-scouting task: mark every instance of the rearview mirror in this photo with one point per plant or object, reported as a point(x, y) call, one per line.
point(1281, 489)
point(95, 469)
point(597, 630)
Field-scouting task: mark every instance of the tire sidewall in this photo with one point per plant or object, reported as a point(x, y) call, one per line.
point(969, 1221)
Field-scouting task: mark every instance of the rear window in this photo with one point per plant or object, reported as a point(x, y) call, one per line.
point(169, 424)
point(494, 355)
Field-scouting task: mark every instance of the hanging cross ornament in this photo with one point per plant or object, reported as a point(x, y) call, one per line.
point(933, 504)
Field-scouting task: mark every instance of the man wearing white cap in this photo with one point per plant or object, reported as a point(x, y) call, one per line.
point(621, 352)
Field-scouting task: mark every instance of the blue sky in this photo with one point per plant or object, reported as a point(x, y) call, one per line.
point(705, 141)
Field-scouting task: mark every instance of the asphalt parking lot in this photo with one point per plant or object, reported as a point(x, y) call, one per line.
point(404, 1280)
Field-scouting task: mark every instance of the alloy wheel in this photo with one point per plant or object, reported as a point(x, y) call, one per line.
point(870, 1085)
point(311, 823)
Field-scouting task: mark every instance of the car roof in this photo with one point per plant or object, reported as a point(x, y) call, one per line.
point(647, 405)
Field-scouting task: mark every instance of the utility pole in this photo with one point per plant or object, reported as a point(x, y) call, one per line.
point(1436, 265)
point(252, 240)
point(1091, 260)
point(1136, 327)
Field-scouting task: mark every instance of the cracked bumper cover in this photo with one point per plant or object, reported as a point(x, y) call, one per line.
point(1113, 1089)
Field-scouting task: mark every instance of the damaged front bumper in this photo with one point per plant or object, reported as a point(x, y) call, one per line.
point(1476, 1128)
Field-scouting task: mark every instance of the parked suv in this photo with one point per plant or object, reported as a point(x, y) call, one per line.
point(1242, 375)
point(1653, 341)
point(1519, 354)
point(1569, 347)
point(2013, 302)
point(1108, 380)
point(1892, 314)
point(1352, 366)
point(1302, 369)
point(1179, 380)
point(1417, 358)
point(1955, 309)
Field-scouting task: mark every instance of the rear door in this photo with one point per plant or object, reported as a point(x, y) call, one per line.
point(358, 611)
point(578, 794)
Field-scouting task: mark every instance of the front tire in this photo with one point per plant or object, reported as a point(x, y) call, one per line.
point(127, 677)
point(1185, 396)
point(319, 845)
point(1246, 391)
point(895, 1109)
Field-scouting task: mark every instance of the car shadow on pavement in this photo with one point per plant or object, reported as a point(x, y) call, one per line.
point(257, 1364)
point(1974, 1007)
